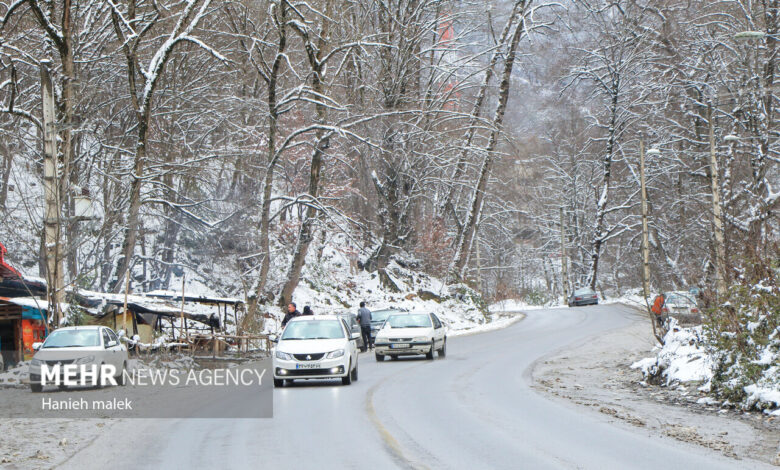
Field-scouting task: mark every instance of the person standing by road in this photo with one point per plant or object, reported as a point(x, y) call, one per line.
point(364, 317)
point(658, 308)
point(292, 312)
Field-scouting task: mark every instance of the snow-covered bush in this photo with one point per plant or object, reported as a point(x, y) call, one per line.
point(744, 338)
point(684, 357)
point(736, 353)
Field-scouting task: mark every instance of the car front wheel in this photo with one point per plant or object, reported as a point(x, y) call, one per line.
point(278, 383)
point(120, 380)
point(347, 379)
point(36, 388)
point(379, 357)
point(430, 353)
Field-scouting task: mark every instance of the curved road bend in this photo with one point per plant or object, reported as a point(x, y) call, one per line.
point(474, 409)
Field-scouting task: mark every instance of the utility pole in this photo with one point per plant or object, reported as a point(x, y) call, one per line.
point(51, 193)
point(645, 236)
point(646, 239)
point(717, 219)
point(564, 260)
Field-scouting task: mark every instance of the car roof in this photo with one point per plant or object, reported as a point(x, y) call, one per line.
point(83, 327)
point(316, 317)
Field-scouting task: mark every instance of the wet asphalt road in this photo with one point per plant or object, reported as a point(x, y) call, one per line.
point(474, 409)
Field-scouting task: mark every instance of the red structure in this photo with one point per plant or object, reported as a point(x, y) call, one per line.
point(5, 269)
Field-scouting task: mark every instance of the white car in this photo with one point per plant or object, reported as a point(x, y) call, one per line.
point(408, 334)
point(316, 347)
point(82, 347)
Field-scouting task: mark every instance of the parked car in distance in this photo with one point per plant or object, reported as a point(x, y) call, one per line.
point(682, 306)
point(406, 334)
point(79, 345)
point(354, 325)
point(378, 318)
point(316, 347)
point(583, 296)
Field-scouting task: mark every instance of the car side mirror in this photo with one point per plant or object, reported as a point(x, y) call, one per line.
point(273, 338)
point(355, 336)
point(37, 346)
point(111, 344)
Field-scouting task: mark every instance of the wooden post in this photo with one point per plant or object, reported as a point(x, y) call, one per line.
point(183, 322)
point(51, 192)
point(479, 262)
point(646, 242)
point(645, 236)
point(124, 311)
point(717, 220)
point(564, 260)
point(235, 315)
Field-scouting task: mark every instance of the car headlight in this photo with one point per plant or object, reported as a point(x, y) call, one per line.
point(421, 339)
point(284, 356)
point(335, 354)
point(36, 362)
point(85, 360)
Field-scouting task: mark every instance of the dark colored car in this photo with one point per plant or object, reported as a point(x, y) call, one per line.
point(378, 318)
point(583, 296)
point(354, 325)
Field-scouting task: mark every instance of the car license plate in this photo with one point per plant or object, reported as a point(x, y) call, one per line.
point(399, 346)
point(307, 366)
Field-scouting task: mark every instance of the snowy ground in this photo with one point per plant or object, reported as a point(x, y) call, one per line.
point(597, 375)
point(684, 361)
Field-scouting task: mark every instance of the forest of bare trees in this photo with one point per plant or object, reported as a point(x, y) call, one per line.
point(231, 140)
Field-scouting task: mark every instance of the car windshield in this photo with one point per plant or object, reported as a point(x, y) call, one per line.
point(72, 338)
point(313, 329)
point(381, 315)
point(584, 291)
point(679, 299)
point(409, 321)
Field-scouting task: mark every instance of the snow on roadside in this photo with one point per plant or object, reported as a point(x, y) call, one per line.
point(684, 358)
point(15, 376)
point(515, 305)
point(497, 324)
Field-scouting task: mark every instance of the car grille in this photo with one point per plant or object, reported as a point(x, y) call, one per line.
point(309, 357)
point(400, 340)
point(307, 372)
point(62, 362)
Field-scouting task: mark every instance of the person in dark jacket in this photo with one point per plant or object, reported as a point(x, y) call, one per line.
point(307, 310)
point(292, 312)
point(364, 317)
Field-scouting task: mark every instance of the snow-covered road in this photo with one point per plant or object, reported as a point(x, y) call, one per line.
point(475, 409)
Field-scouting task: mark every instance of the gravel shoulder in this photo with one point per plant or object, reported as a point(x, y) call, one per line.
point(596, 374)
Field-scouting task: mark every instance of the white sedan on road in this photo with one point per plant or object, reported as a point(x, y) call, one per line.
point(408, 334)
point(82, 350)
point(316, 347)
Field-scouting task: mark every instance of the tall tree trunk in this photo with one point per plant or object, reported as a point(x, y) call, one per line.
point(272, 157)
point(305, 235)
point(189, 18)
point(601, 205)
point(8, 159)
point(463, 246)
point(447, 203)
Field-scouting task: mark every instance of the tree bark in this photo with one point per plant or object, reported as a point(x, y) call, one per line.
point(305, 235)
point(463, 247)
point(272, 157)
point(601, 205)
